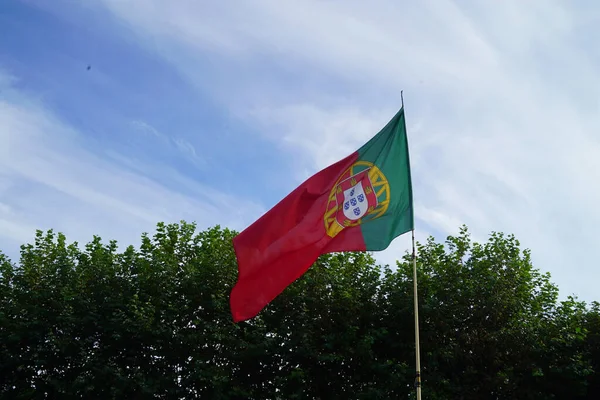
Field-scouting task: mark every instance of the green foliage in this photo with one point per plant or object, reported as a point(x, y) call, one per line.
point(154, 322)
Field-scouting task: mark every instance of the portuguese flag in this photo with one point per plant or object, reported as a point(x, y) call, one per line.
point(360, 203)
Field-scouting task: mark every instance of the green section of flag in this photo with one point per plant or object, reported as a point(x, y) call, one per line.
point(388, 150)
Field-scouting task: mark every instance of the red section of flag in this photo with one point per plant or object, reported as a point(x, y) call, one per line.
point(279, 247)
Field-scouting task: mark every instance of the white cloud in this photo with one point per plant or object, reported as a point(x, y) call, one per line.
point(184, 147)
point(49, 179)
point(324, 136)
point(502, 101)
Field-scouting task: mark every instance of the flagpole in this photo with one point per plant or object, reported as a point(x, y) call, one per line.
point(416, 302)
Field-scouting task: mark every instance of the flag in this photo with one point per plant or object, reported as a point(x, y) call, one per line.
point(360, 203)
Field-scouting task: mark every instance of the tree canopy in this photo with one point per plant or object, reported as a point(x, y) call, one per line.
point(153, 321)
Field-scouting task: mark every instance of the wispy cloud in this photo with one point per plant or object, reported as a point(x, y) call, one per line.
point(502, 101)
point(50, 179)
point(501, 104)
point(184, 147)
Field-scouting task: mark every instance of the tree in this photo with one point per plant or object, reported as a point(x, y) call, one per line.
point(592, 346)
point(154, 322)
point(487, 319)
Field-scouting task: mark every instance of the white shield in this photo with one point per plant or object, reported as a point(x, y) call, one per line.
point(355, 202)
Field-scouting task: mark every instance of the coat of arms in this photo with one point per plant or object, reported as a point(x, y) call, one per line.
point(361, 193)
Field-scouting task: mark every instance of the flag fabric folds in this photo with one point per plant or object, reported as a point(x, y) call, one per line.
point(360, 203)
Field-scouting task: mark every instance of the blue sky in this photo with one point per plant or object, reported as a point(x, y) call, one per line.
point(213, 111)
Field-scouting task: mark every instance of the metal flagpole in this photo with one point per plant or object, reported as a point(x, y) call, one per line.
point(416, 303)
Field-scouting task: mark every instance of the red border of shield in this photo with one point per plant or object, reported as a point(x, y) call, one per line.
point(363, 177)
